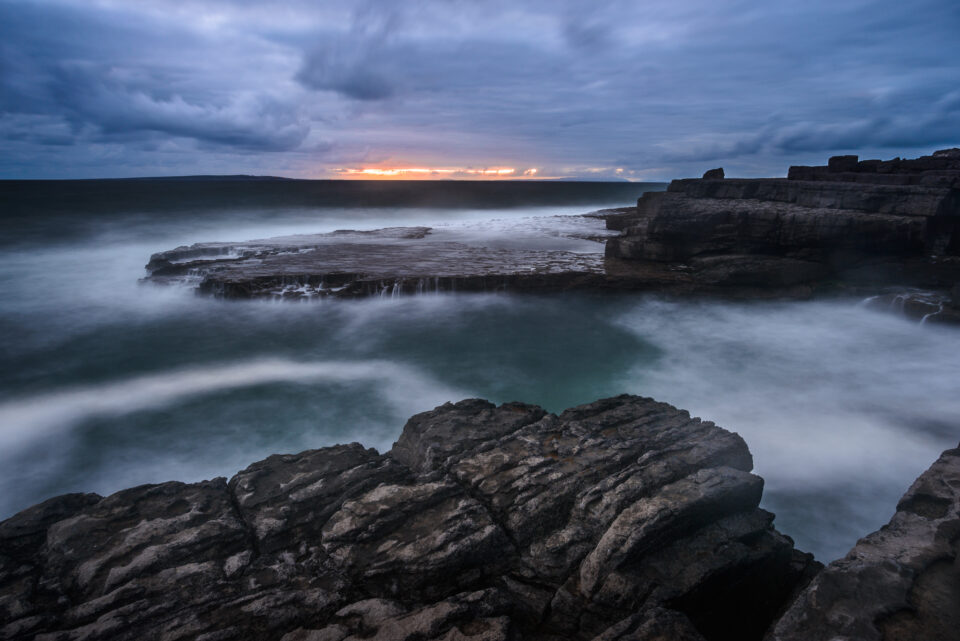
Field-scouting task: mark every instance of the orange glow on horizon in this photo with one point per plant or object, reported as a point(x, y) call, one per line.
point(428, 172)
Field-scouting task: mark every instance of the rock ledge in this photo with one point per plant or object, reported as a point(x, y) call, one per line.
point(620, 519)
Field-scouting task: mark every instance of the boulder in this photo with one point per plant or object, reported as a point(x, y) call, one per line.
point(901, 582)
point(713, 174)
point(623, 518)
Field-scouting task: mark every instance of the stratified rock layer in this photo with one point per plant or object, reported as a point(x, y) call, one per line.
point(900, 583)
point(389, 262)
point(851, 223)
point(863, 226)
point(621, 519)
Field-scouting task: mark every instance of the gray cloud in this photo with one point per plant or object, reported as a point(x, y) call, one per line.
point(572, 87)
point(104, 97)
point(356, 64)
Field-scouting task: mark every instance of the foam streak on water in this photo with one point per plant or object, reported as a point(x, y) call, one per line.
point(106, 384)
point(26, 420)
point(839, 405)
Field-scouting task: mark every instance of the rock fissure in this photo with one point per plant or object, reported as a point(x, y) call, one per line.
point(645, 526)
point(482, 500)
point(248, 528)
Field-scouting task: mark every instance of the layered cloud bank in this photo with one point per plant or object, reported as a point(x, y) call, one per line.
point(627, 90)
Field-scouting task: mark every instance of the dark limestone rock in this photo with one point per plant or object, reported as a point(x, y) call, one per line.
point(889, 166)
point(23, 536)
point(418, 541)
point(173, 556)
point(901, 582)
point(383, 262)
point(621, 519)
point(756, 271)
point(475, 616)
point(849, 224)
point(864, 224)
point(286, 499)
point(653, 625)
point(616, 219)
point(899, 200)
point(943, 164)
point(922, 306)
point(837, 164)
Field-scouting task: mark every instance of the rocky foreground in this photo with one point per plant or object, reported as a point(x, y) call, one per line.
point(621, 519)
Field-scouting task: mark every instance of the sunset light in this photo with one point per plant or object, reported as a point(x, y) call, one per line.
point(433, 172)
point(259, 241)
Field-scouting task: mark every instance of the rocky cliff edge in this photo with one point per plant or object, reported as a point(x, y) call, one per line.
point(866, 224)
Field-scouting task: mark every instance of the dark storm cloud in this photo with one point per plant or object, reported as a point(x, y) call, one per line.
point(905, 121)
point(655, 89)
point(359, 63)
point(90, 82)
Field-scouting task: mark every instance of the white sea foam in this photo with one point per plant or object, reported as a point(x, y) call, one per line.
point(25, 420)
point(834, 400)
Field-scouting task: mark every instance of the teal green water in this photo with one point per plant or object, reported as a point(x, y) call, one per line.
point(107, 384)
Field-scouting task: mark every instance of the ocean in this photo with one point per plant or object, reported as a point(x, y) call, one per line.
point(108, 383)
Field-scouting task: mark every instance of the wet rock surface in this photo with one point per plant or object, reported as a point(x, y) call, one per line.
point(851, 226)
point(620, 519)
point(568, 254)
point(901, 582)
point(923, 306)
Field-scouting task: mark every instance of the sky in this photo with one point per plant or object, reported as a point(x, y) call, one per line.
point(636, 90)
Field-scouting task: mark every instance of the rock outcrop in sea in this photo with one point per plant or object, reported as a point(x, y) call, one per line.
point(858, 225)
point(380, 262)
point(621, 519)
point(869, 227)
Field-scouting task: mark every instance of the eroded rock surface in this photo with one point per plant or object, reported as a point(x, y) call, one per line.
point(559, 253)
point(900, 583)
point(621, 519)
point(851, 224)
point(933, 307)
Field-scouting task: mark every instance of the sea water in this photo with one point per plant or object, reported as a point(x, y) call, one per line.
point(106, 383)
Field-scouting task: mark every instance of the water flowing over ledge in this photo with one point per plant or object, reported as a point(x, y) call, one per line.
point(862, 227)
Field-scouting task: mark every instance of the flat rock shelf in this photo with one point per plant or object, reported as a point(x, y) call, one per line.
point(866, 228)
point(382, 262)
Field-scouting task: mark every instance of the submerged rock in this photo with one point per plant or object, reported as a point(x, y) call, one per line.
point(923, 306)
point(620, 519)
